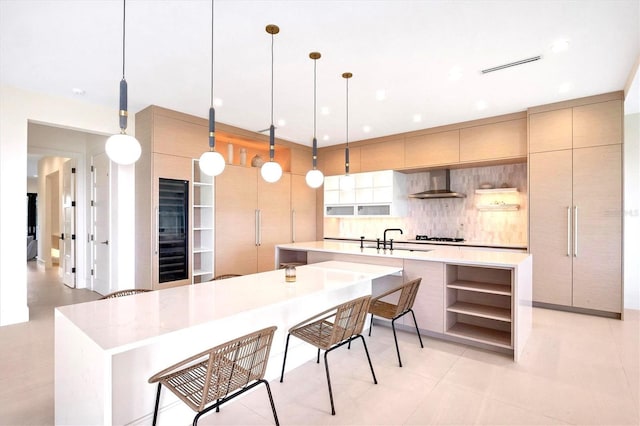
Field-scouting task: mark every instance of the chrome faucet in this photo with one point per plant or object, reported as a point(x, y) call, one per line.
point(384, 242)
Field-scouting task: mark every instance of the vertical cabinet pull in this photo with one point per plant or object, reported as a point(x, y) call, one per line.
point(157, 239)
point(575, 231)
point(568, 231)
point(293, 226)
point(257, 227)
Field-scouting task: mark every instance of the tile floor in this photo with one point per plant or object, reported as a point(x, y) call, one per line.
point(576, 369)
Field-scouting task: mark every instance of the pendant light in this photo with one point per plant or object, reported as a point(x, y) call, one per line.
point(122, 148)
point(347, 181)
point(314, 176)
point(211, 162)
point(271, 171)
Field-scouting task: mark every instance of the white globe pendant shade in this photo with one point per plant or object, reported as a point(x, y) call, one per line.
point(212, 163)
point(271, 171)
point(314, 178)
point(123, 149)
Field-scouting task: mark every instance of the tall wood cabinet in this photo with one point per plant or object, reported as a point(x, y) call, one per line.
point(575, 190)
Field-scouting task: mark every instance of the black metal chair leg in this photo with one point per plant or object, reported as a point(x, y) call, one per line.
point(395, 338)
point(273, 406)
point(368, 359)
point(370, 325)
point(416, 323)
point(318, 357)
point(326, 367)
point(284, 361)
point(155, 411)
point(218, 407)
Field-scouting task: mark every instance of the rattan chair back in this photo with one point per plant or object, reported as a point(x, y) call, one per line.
point(349, 319)
point(122, 293)
point(408, 296)
point(215, 373)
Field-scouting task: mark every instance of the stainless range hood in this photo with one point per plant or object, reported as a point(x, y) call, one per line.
point(440, 188)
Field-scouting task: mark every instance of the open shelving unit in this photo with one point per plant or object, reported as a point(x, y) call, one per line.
point(498, 199)
point(479, 305)
point(203, 232)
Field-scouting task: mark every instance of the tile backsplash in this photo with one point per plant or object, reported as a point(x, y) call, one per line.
point(452, 217)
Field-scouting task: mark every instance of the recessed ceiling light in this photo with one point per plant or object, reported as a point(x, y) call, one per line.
point(417, 118)
point(366, 129)
point(325, 138)
point(455, 73)
point(217, 102)
point(282, 122)
point(564, 87)
point(560, 45)
point(481, 105)
point(381, 95)
point(325, 110)
point(78, 91)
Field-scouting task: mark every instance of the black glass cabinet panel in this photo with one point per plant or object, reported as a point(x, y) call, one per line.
point(173, 230)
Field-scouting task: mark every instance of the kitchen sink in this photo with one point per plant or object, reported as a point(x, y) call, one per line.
point(399, 248)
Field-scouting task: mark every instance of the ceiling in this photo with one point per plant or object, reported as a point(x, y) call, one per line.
point(401, 54)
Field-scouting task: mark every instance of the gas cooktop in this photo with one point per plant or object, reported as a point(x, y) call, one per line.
point(439, 239)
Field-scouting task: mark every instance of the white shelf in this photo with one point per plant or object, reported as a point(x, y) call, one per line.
point(202, 184)
point(203, 229)
point(202, 250)
point(498, 207)
point(481, 334)
point(496, 191)
point(200, 272)
point(202, 206)
point(481, 311)
point(501, 289)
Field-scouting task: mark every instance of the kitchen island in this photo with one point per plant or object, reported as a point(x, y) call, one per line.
point(472, 296)
point(106, 350)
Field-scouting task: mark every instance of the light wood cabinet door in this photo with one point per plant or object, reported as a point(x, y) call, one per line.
point(236, 196)
point(551, 130)
point(303, 210)
point(429, 304)
point(179, 137)
point(597, 196)
point(432, 150)
point(597, 124)
point(550, 210)
point(274, 216)
point(503, 140)
point(331, 161)
point(381, 156)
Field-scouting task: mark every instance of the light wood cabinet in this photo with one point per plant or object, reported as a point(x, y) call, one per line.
point(597, 124)
point(331, 161)
point(303, 210)
point(575, 227)
point(432, 150)
point(551, 130)
point(381, 156)
point(252, 216)
point(505, 139)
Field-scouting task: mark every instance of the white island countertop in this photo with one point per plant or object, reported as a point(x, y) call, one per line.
point(445, 254)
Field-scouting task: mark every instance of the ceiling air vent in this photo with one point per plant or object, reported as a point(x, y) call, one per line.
point(512, 64)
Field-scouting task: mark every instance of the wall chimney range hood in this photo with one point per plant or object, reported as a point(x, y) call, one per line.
point(440, 187)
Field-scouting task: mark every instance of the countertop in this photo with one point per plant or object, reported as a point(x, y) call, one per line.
point(419, 243)
point(116, 324)
point(447, 254)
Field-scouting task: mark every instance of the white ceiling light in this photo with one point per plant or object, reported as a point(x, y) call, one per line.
point(325, 110)
point(455, 73)
point(77, 91)
point(560, 45)
point(381, 95)
point(211, 162)
point(417, 118)
point(271, 171)
point(366, 129)
point(481, 105)
point(282, 122)
point(218, 102)
point(122, 148)
point(325, 138)
point(564, 87)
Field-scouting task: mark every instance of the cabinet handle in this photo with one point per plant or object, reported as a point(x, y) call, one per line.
point(257, 225)
point(575, 231)
point(568, 231)
point(157, 229)
point(293, 226)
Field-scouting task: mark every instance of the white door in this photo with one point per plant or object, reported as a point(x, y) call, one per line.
point(100, 224)
point(68, 249)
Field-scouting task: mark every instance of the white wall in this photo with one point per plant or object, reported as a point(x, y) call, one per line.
point(632, 211)
point(17, 108)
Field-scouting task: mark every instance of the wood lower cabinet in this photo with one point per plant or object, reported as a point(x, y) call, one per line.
point(576, 227)
point(252, 216)
point(429, 304)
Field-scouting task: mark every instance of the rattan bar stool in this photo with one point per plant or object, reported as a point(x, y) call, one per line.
point(122, 293)
point(393, 311)
point(331, 329)
point(219, 374)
